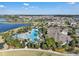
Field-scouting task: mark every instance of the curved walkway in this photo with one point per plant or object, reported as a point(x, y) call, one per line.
point(49, 51)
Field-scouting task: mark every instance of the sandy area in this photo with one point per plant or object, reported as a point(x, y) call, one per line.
point(1, 40)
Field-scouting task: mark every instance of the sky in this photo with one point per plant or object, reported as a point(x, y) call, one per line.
point(39, 8)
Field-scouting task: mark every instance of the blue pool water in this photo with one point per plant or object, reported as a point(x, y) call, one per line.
point(33, 35)
point(5, 27)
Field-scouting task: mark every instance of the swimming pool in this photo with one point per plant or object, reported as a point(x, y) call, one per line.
point(33, 35)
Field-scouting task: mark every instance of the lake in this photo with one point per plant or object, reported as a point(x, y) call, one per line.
point(3, 20)
point(8, 26)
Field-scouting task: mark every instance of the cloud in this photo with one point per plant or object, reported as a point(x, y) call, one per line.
point(2, 6)
point(26, 4)
point(71, 2)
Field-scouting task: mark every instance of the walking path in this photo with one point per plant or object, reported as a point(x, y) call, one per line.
point(49, 51)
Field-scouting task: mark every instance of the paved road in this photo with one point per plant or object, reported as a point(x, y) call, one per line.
point(49, 51)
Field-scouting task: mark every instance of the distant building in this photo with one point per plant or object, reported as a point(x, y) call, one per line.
point(77, 32)
point(58, 35)
point(73, 23)
point(65, 31)
point(65, 38)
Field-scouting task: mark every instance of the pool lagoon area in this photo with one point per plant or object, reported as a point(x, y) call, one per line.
point(33, 35)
